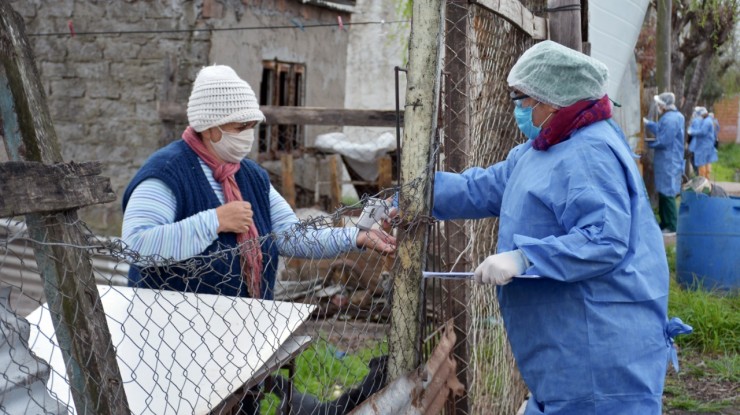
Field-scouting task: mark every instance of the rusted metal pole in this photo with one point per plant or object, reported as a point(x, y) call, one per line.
point(457, 143)
point(76, 311)
point(420, 125)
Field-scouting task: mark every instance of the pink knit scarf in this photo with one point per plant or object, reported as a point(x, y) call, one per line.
point(249, 247)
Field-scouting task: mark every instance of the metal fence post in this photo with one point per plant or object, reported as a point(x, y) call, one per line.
point(457, 134)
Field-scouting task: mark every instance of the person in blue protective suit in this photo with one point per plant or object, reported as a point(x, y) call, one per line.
point(589, 327)
point(668, 162)
point(702, 143)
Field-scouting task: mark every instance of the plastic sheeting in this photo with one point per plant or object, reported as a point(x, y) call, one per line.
point(361, 157)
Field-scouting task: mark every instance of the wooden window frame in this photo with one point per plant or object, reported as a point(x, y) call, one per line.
point(283, 84)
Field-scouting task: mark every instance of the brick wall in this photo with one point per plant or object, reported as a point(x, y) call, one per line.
point(727, 112)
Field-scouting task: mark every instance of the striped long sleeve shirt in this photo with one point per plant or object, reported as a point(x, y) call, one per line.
point(149, 226)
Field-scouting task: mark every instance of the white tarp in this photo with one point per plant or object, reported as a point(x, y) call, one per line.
point(362, 157)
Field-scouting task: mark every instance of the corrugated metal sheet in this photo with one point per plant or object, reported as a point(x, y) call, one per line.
point(19, 271)
point(23, 383)
point(423, 391)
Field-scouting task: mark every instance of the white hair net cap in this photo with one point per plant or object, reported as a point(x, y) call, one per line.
point(666, 99)
point(701, 111)
point(554, 74)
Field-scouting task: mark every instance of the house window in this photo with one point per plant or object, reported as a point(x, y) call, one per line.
point(282, 85)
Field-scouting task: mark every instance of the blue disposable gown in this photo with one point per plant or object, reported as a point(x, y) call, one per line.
point(668, 162)
point(702, 143)
point(589, 337)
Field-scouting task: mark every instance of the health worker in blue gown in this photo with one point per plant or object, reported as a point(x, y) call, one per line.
point(702, 143)
point(591, 334)
point(668, 161)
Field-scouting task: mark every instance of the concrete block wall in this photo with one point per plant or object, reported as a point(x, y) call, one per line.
point(104, 89)
point(727, 112)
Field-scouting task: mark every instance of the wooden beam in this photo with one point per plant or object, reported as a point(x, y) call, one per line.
point(31, 187)
point(69, 285)
point(278, 115)
point(420, 126)
point(564, 23)
point(385, 172)
point(518, 15)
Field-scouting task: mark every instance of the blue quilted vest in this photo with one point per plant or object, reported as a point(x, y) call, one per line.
point(217, 270)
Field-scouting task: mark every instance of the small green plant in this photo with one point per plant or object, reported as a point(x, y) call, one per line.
point(326, 372)
point(727, 368)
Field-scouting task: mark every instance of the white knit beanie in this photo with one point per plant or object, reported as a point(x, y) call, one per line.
point(220, 97)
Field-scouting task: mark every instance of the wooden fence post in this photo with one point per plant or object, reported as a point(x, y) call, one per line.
point(69, 284)
point(564, 20)
point(286, 172)
point(420, 125)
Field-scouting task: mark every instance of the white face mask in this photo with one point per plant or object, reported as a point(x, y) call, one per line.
point(233, 147)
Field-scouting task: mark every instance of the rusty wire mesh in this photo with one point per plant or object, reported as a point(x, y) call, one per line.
point(184, 353)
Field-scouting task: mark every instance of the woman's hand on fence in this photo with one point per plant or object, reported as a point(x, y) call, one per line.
point(234, 217)
point(377, 240)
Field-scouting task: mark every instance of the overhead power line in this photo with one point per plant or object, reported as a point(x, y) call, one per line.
point(296, 25)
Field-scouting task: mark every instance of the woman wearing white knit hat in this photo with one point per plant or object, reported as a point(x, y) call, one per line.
point(200, 199)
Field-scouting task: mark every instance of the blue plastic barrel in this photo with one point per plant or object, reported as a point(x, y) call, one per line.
point(708, 242)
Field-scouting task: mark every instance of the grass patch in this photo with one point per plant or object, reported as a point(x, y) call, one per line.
point(710, 362)
point(704, 385)
point(714, 317)
point(729, 160)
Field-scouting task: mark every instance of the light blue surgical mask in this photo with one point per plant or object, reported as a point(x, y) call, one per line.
point(523, 116)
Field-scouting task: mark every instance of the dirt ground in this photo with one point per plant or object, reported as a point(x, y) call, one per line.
point(348, 336)
point(701, 387)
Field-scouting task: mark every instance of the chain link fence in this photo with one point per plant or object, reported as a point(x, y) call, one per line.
point(322, 346)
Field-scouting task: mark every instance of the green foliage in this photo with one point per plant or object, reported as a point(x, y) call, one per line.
point(325, 372)
point(404, 8)
point(714, 317)
point(729, 160)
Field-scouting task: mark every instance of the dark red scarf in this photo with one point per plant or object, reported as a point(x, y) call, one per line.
point(569, 119)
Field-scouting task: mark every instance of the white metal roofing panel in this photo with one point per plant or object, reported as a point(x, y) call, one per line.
point(179, 352)
point(613, 29)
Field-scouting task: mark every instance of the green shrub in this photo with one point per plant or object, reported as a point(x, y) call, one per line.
point(714, 316)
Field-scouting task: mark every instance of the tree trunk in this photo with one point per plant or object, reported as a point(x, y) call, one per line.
point(697, 83)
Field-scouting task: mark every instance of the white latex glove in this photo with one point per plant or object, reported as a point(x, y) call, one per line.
point(499, 269)
point(645, 120)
